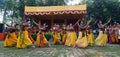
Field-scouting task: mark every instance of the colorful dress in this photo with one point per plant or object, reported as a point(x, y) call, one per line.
point(101, 40)
point(118, 33)
point(81, 41)
point(104, 40)
point(41, 40)
point(56, 37)
point(10, 40)
point(113, 37)
point(90, 39)
point(71, 38)
point(64, 36)
point(23, 40)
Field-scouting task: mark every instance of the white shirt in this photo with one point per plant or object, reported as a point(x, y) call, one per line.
point(118, 33)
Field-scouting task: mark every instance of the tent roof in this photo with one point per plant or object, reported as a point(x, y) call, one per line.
point(47, 10)
point(53, 8)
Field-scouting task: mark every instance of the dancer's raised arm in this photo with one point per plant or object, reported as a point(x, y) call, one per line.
point(35, 23)
point(77, 23)
point(7, 24)
point(108, 21)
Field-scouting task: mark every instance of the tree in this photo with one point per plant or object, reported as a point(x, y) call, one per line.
point(103, 9)
point(5, 7)
point(97, 9)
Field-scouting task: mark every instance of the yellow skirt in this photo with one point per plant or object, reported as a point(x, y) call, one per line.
point(101, 40)
point(23, 41)
point(10, 40)
point(56, 38)
point(41, 42)
point(104, 40)
point(82, 42)
point(71, 38)
point(64, 38)
point(90, 39)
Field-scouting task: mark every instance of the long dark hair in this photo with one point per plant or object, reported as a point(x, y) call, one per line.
point(103, 31)
point(12, 30)
point(83, 34)
point(23, 27)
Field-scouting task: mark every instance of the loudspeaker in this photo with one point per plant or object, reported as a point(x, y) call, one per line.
point(1, 27)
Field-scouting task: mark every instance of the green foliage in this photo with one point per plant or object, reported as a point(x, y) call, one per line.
point(103, 9)
point(17, 6)
point(98, 9)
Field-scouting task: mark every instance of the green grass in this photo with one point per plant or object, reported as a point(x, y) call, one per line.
point(108, 50)
point(56, 50)
point(12, 51)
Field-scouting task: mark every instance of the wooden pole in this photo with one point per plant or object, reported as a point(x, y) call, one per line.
point(65, 21)
point(52, 22)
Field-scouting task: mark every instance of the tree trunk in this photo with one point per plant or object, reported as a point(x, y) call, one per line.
point(4, 19)
point(4, 15)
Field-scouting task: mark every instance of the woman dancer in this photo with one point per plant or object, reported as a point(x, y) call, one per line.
point(71, 36)
point(11, 38)
point(23, 40)
point(82, 39)
point(41, 40)
point(56, 35)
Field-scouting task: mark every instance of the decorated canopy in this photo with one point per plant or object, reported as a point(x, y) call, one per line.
point(55, 10)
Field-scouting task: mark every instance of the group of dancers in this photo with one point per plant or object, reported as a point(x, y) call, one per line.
point(34, 36)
